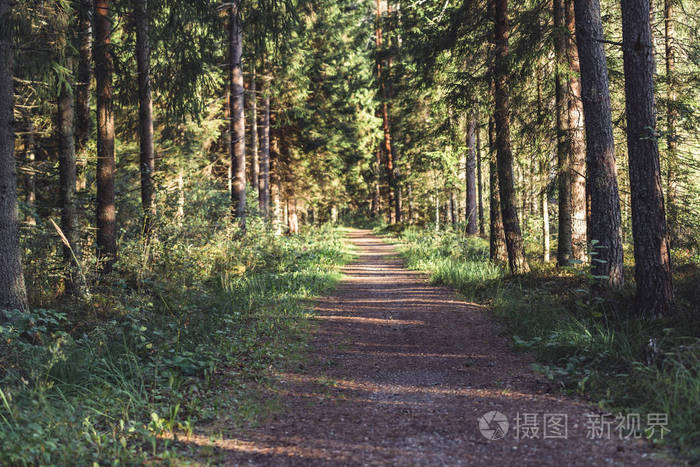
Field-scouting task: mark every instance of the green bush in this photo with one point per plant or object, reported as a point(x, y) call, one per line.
point(198, 309)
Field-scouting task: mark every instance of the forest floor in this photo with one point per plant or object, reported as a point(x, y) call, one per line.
point(400, 373)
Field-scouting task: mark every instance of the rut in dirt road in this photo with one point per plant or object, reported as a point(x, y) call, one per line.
point(401, 373)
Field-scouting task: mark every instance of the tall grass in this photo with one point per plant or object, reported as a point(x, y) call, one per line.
point(174, 337)
point(589, 343)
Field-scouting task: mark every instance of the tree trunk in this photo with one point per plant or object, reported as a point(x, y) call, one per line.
point(82, 89)
point(264, 182)
point(376, 197)
point(254, 162)
point(480, 197)
point(237, 150)
point(504, 158)
point(651, 246)
point(106, 209)
point(601, 172)
point(13, 295)
point(497, 239)
point(576, 142)
point(29, 161)
point(671, 118)
point(147, 154)
point(67, 176)
point(564, 245)
point(544, 170)
point(453, 209)
point(470, 175)
point(437, 210)
point(386, 125)
point(180, 195)
point(292, 218)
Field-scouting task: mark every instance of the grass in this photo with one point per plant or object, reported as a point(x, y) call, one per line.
point(182, 333)
point(589, 343)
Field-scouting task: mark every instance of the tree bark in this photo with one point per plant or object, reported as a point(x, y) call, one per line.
point(671, 118)
point(82, 89)
point(453, 208)
point(470, 175)
point(254, 162)
point(601, 179)
point(13, 295)
point(264, 182)
point(237, 150)
point(147, 153)
point(651, 245)
point(67, 174)
point(384, 86)
point(504, 157)
point(104, 68)
point(480, 197)
point(497, 239)
point(564, 245)
point(30, 172)
point(544, 170)
point(576, 142)
point(376, 197)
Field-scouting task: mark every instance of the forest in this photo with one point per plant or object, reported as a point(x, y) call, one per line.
point(184, 183)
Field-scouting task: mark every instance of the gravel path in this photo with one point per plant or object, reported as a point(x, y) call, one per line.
point(401, 374)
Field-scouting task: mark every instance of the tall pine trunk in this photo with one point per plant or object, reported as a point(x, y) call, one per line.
point(254, 162)
point(497, 239)
point(671, 118)
point(504, 157)
point(147, 154)
point(651, 246)
point(29, 169)
point(479, 187)
point(237, 150)
point(576, 141)
point(67, 170)
point(601, 172)
point(376, 195)
point(82, 89)
point(564, 245)
point(104, 68)
point(544, 171)
point(13, 295)
point(470, 175)
point(383, 71)
point(264, 182)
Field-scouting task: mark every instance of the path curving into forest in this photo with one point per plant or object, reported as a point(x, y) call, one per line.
point(401, 373)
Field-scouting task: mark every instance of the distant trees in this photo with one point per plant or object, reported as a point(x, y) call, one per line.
point(330, 114)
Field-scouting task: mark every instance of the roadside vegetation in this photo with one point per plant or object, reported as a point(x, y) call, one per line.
point(185, 330)
point(589, 343)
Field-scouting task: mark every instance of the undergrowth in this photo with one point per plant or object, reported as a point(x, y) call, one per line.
point(174, 337)
point(591, 344)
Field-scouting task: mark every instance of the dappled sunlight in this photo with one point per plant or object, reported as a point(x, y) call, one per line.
point(375, 388)
point(376, 321)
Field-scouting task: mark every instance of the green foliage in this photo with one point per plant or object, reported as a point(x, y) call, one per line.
point(197, 310)
point(587, 342)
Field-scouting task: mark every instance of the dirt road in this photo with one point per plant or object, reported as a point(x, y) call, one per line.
point(401, 374)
